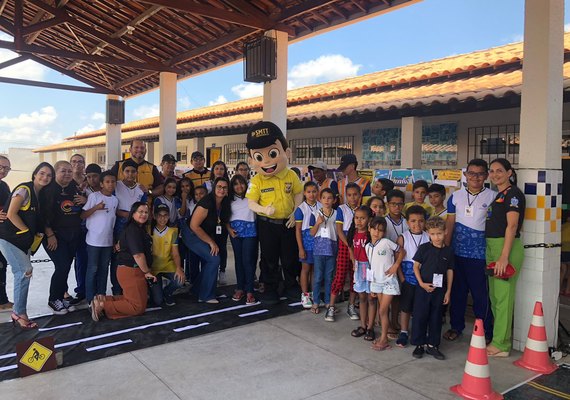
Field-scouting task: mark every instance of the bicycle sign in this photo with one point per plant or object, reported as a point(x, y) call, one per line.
point(36, 356)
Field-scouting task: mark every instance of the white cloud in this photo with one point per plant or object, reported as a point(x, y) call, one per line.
point(27, 130)
point(184, 103)
point(23, 70)
point(144, 111)
point(326, 68)
point(248, 90)
point(567, 27)
point(89, 128)
point(221, 99)
point(98, 116)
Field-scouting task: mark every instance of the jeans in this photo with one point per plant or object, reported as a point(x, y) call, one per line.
point(98, 259)
point(222, 242)
point(323, 269)
point(205, 286)
point(21, 265)
point(80, 265)
point(159, 293)
point(62, 257)
point(192, 267)
point(245, 256)
point(3, 268)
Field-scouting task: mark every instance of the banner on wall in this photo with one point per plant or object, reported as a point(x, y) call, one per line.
point(366, 173)
point(422, 175)
point(381, 174)
point(401, 177)
point(449, 175)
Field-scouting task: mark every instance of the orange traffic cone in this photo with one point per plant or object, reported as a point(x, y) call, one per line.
point(476, 384)
point(535, 356)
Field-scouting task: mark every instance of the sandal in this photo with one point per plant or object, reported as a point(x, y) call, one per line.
point(379, 346)
point(238, 295)
point(358, 332)
point(25, 324)
point(250, 299)
point(451, 335)
point(315, 309)
point(393, 335)
point(492, 351)
point(369, 335)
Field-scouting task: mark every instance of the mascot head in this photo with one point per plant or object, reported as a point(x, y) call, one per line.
point(268, 148)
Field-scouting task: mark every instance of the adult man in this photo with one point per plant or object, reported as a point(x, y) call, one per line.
point(168, 165)
point(466, 215)
point(148, 177)
point(319, 170)
point(348, 165)
point(77, 162)
point(199, 174)
point(5, 305)
point(273, 194)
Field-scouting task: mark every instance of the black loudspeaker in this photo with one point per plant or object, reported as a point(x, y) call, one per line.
point(260, 57)
point(115, 112)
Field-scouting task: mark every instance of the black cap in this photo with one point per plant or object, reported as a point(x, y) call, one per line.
point(93, 169)
point(168, 158)
point(196, 154)
point(129, 162)
point(263, 134)
point(346, 160)
point(161, 207)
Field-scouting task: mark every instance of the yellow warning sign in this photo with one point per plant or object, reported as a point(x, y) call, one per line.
point(36, 356)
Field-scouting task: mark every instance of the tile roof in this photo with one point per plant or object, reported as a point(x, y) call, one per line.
point(479, 75)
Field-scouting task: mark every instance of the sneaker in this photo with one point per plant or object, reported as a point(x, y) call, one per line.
point(351, 312)
point(222, 278)
point(58, 307)
point(329, 315)
point(402, 340)
point(434, 351)
point(418, 352)
point(80, 303)
point(67, 304)
point(306, 301)
point(169, 301)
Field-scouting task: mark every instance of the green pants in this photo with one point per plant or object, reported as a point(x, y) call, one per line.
point(502, 292)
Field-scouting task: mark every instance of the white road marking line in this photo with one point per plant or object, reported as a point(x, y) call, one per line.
point(249, 314)
point(295, 304)
point(8, 368)
point(51, 328)
point(187, 328)
point(107, 345)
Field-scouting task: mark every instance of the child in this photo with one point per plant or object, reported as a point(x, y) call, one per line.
point(396, 224)
point(100, 214)
point(166, 262)
point(419, 194)
point(436, 193)
point(381, 187)
point(92, 176)
point(303, 214)
point(410, 241)
point(243, 235)
point(384, 280)
point(377, 206)
point(357, 238)
point(168, 199)
point(565, 255)
point(433, 268)
point(324, 248)
point(344, 216)
point(184, 201)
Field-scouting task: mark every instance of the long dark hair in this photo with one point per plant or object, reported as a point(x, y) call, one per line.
point(506, 164)
point(226, 209)
point(352, 229)
point(219, 162)
point(179, 188)
point(40, 166)
point(236, 178)
point(168, 181)
point(134, 209)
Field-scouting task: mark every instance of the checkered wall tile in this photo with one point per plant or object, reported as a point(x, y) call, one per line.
point(543, 192)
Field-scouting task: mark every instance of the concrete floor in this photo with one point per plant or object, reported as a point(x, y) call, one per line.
point(299, 356)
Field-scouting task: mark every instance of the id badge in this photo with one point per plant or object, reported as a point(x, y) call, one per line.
point(218, 230)
point(325, 233)
point(369, 274)
point(437, 280)
point(469, 211)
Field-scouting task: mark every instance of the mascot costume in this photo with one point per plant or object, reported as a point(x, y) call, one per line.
point(273, 194)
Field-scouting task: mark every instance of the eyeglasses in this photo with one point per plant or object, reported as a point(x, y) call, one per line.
point(3, 168)
point(472, 174)
point(222, 188)
point(396, 204)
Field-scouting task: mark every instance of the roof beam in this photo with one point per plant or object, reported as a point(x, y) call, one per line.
point(35, 28)
point(53, 85)
point(6, 24)
point(3, 5)
point(18, 24)
point(13, 61)
point(38, 17)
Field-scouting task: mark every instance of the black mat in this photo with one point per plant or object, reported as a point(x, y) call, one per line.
point(555, 386)
point(80, 339)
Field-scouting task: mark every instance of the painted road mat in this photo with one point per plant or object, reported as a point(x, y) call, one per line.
point(81, 340)
point(555, 386)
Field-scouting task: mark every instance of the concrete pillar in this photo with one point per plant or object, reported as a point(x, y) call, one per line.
point(91, 156)
point(112, 140)
point(539, 175)
point(275, 92)
point(411, 145)
point(198, 144)
point(151, 154)
point(167, 115)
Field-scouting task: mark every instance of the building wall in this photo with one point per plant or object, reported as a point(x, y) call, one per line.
point(23, 162)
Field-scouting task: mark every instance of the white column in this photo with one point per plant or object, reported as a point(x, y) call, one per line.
point(91, 155)
point(411, 145)
point(151, 153)
point(197, 145)
point(540, 176)
point(112, 140)
point(275, 92)
point(167, 116)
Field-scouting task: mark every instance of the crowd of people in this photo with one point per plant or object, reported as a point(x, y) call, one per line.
point(157, 234)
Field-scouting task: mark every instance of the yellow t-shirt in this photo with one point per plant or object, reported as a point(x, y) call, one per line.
point(144, 174)
point(427, 207)
point(277, 190)
point(162, 243)
point(565, 230)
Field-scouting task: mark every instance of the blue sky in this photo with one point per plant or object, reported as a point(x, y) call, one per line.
point(30, 117)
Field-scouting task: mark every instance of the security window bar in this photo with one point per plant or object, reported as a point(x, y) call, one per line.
point(490, 142)
point(327, 149)
point(234, 153)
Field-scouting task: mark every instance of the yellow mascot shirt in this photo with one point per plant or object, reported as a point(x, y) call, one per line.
point(162, 243)
point(278, 191)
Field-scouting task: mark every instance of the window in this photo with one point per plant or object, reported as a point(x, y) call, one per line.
point(234, 153)
point(182, 155)
point(439, 145)
point(490, 142)
point(381, 147)
point(327, 149)
point(101, 158)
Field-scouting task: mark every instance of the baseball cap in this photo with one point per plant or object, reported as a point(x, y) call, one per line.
point(196, 154)
point(93, 169)
point(168, 158)
point(319, 165)
point(161, 207)
point(346, 160)
point(263, 134)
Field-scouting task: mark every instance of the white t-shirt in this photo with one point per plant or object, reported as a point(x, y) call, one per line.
point(381, 258)
point(100, 223)
point(395, 229)
point(128, 196)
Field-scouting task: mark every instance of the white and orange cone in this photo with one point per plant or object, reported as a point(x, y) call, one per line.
point(476, 383)
point(535, 356)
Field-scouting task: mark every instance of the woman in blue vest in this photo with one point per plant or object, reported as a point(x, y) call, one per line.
point(17, 236)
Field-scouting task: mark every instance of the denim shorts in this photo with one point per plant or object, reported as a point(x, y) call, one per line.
point(361, 285)
point(309, 259)
point(391, 286)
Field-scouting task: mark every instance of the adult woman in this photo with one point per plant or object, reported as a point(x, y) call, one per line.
point(504, 247)
point(243, 169)
point(208, 225)
point(17, 236)
point(5, 305)
point(135, 260)
point(62, 201)
point(77, 162)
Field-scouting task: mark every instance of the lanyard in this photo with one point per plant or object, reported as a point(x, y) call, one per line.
point(326, 217)
point(416, 243)
point(469, 201)
point(312, 208)
point(395, 225)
